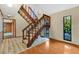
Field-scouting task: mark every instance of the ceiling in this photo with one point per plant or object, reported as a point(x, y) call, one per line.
point(9, 10)
point(48, 8)
point(53, 8)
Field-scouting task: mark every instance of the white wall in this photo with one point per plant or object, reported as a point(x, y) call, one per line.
point(56, 29)
point(53, 8)
point(38, 11)
point(20, 24)
point(1, 27)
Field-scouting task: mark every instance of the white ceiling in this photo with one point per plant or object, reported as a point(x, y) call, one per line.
point(9, 10)
point(48, 8)
point(53, 8)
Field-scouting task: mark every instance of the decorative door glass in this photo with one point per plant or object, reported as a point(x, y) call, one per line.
point(67, 28)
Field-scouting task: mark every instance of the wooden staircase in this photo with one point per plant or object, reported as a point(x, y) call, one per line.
point(33, 30)
point(27, 13)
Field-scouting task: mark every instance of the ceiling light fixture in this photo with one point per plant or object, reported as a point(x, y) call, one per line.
point(9, 5)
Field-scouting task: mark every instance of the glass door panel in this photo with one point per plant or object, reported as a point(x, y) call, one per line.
point(67, 28)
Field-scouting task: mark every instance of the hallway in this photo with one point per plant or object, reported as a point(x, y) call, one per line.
point(53, 47)
point(29, 21)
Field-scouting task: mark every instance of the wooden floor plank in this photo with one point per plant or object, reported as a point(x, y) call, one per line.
point(12, 45)
point(53, 47)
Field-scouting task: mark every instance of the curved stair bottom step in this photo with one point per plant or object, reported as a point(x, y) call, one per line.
point(39, 40)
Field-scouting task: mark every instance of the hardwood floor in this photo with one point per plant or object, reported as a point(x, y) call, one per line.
point(12, 46)
point(53, 47)
point(15, 45)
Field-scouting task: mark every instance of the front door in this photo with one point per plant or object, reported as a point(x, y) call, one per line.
point(67, 28)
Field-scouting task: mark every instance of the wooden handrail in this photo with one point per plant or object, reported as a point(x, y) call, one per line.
point(33, 12)
point(27, 26)
point(36, 32)
point(34, 28)
point(32, 23)
point(26, 14)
